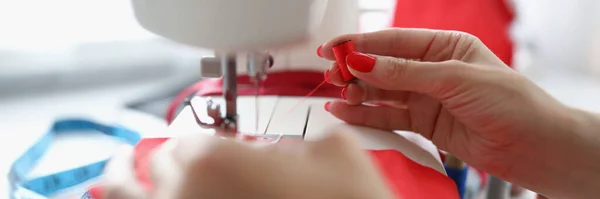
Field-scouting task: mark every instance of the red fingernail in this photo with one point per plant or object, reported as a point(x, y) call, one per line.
point(319, 51)
point(327, 106)
point(360, 62)
point(326, 76)
point(95, 192)
point(344, 92)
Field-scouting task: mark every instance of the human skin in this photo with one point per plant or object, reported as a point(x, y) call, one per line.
point(458, 95)
point(202, 166)
point(448, 87)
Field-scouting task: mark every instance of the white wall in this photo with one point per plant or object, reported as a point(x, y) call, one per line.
point(49, 46)
point(557, 34)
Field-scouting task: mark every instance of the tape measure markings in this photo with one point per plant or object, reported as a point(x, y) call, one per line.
point(50, 184)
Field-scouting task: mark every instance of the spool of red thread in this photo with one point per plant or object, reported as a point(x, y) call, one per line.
point(340, 51)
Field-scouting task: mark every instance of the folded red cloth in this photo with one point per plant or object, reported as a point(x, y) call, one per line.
point(406, 178)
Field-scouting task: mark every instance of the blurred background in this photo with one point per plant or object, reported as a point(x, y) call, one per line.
point(91, 58)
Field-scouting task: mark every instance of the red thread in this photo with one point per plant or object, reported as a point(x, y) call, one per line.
point(340, 51)
point(310, 93)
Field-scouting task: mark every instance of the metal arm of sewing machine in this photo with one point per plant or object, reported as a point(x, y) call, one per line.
point(225, 65)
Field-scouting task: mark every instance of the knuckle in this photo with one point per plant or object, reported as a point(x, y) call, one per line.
point(453, 64)
point(466, 37)
point(461, 34)
point(371, 94)
point(455, 73)
point(396, 69)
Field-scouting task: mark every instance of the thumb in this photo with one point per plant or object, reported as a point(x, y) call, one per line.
point(392, 73)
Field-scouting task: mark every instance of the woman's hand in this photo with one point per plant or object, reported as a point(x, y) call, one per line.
point(448, 87)
point(201, 166)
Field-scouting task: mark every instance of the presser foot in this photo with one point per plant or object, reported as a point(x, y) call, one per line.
point(211, 117)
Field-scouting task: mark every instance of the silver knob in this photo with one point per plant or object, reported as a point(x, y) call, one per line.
point(210, 67)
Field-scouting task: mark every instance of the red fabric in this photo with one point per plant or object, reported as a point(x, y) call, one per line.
point(296, 83)
point(406, 178)
point(487, 19)
point(96, 193)
point(483, 176)
point(142, 152)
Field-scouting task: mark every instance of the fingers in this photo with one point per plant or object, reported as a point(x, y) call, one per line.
point(390, 73)
point(358, 93)
point(203, 151)
point(333, 75)
point(194, 148)
point(216, 168)
point(428, 45)
point(119, 178)
point(397, 74)
point(165, 171)
point(371, 116)
point(339, 150)
point(334, 143)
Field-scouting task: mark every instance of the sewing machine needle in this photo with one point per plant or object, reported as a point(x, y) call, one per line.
point(256, 104)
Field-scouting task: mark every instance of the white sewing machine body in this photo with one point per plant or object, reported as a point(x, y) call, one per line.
point(232, 25)
point(310, 120)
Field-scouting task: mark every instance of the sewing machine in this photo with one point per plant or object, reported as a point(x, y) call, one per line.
point(241, 32)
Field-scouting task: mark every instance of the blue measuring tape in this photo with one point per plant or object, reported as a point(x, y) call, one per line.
point(43, 187)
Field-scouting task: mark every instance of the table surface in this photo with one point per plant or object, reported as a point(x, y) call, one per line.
point(23, 120)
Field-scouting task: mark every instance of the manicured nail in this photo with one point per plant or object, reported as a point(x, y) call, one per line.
point(360, 62)
point(327, 106)
point(95, 192)
point(319, 51)
point(344, 92)
point(326, 76)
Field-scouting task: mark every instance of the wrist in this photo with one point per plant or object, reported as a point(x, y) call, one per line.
point(560, 157)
